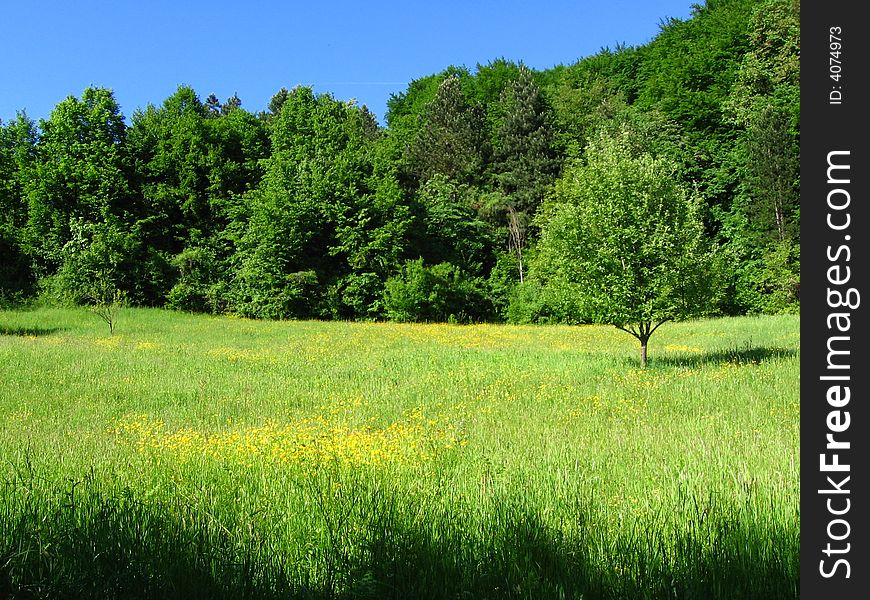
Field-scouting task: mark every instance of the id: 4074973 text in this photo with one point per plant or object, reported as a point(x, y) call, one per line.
point(835, 64)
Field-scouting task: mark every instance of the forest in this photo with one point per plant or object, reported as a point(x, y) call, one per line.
point(453, 210)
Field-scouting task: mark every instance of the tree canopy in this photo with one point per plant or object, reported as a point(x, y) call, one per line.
point(462, 207)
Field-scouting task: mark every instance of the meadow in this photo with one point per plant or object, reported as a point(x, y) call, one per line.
point(189, 456)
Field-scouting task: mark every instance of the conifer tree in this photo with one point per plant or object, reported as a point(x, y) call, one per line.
point(452, 139)
point(525, 160)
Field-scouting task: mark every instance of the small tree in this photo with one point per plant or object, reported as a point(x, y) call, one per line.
point(105, 299)
point(92, 264)
point(624, 239)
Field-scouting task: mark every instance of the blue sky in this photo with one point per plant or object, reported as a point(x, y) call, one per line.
point(364, 50)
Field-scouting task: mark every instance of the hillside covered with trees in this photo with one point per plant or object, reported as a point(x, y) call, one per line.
point(451, 211)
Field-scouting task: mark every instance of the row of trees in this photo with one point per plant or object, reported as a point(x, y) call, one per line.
point(473, 203)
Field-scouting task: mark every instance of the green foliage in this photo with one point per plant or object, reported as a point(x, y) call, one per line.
point(589, 93)
point(526, 304)
point(81, 171)
point(762, 224)
point(17, 142)
point(773, 176)
point(453, 232)
point(171, 147)
point(435, 294)
point(97, 260)
point(284, 249)
point(16, 279)
point(404, 110)
point(525, 160)
point(452, 139)
point(689, 68)
point(688, 72)
point(502, 282)
point(97, 263)
point(193, 164)
point(372, 230)
point(328, 219)
point(557, 301)
point(307, 208)
point(653, 267)
point(770, 283)
point(780, 278)
point(770, 69)
point(270, 275)
point(765, 102)
point(489, 81)
point(199, 287)
point(653, 133)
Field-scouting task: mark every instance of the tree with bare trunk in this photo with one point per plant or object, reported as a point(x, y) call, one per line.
point(105, 300)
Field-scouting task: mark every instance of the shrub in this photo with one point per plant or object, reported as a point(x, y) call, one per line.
point(198, 288)
point(437, 293)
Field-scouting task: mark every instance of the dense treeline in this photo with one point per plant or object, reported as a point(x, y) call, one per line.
point(311, 209)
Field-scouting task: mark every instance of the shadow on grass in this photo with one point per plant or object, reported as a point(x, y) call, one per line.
point(739, 356)
point(28, 331)
point(94, 546)
point(516, 555)
point(99, 546)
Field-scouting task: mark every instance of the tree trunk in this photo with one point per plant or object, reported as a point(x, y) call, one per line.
point(516, 236)
point(520, 258)
point(642, 331)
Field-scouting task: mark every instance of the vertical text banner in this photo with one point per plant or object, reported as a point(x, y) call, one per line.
point(835, 300)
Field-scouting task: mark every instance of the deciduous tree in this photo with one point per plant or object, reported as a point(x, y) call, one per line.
point(623, 239)
point(81, 171)
point(17, 145)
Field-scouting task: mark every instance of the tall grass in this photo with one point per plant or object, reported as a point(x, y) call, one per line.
point(192, 456)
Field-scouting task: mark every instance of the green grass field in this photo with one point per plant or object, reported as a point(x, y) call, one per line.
point(193, 456)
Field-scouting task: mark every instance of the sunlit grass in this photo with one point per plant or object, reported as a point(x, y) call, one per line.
point(216, 457)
